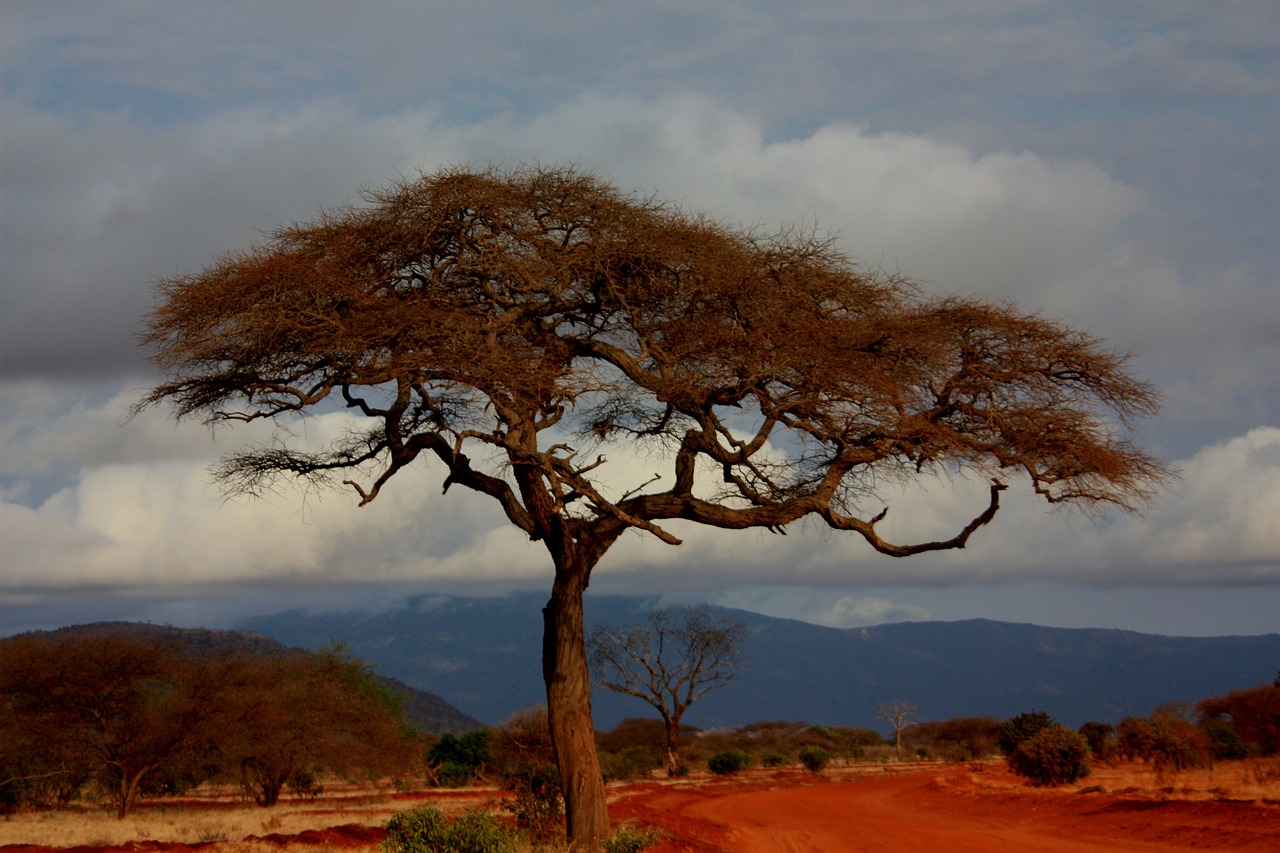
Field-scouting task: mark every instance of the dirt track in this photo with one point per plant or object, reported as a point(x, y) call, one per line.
point(950, 811)
point(937, 808)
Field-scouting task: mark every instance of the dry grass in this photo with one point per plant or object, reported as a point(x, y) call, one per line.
point(1255, 779)
point(220, 816)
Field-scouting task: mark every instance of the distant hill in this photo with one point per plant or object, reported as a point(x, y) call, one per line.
point(483, 654)
point(427, 711)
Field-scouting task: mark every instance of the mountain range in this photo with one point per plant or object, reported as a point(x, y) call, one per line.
point(482, 655)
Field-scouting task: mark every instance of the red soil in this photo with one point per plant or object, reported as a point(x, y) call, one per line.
point(951, 809)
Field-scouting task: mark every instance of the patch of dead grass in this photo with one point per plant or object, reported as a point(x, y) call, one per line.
point(214, 815)
point(1250, 780)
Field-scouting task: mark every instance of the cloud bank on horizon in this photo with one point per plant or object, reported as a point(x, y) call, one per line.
point(1111, 165)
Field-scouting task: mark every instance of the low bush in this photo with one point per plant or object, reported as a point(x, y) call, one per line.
point(726, 763)
point(633, 762)
point(427, 830)
point(537, 803)
point(773, 759)
point(1053, 756)
point(1017, 730)
point(627, 840)
point(461, 759)
point(814, 758)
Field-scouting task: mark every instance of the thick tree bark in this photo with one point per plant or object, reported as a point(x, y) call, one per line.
point(568, 681)
point(673, 745)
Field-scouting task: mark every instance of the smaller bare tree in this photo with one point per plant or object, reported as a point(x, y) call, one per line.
point(897, 714)
point(670, 660)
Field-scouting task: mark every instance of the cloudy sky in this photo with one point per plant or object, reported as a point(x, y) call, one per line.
point(1112, 164)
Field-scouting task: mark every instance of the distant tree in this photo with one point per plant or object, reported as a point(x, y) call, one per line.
point(670, 660)
point(814, 758)
point(1224, 743)
point(1177, 743)
point(960, 738)
point(897, 714)
point(1021, 728)
point(1100, 737)
point(1252, 713)
point(462, 758)
point(282, 719)
point(110, 707)
point(148, 716)
point(1054, 755)
point(511, 325)
point(1135, 738)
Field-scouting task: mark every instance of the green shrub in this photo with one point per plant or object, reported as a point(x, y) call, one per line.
point(461, 759)
point(814, 758)
point(633, 762)
point(537, 802)
point(452, 775)
point(630, 841)
point(773, 759)
point(1053, 756)
point(1100, 737)
point(1135, 738)
point(1224, 742)
point(1177, 744)
point(725, 763)
point(1017, 730)
point(427, 830)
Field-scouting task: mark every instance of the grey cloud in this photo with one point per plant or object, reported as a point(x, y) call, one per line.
point(1103, 162)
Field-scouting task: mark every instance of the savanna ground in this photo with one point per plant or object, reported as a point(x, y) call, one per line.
point(946, 807)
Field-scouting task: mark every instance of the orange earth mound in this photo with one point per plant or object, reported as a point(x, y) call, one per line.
point(944, 808)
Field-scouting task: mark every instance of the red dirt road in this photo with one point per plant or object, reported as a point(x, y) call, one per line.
point(949, 811)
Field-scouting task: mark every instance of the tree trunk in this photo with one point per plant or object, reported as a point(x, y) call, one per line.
point(673, 746)
point(568, 681)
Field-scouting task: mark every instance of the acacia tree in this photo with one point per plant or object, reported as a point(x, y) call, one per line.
point(669, 661)
point(108, 707)
point(1253, 714)
point(515, 326)
point(282, 718)
point(897, 714)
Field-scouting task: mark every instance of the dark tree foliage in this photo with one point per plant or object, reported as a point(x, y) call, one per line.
point(960, 738)
point(1054, 755)
point(1136, 738)
point(1252, 714)
point(1014, 731)
point(1100, 737)
point(459, 759)
point(135, 717)
point(516, 327)
point(282, 718)
point(112, 709)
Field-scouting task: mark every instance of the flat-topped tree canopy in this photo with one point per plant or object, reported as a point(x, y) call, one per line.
point(514, 325)
point(508, 310)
